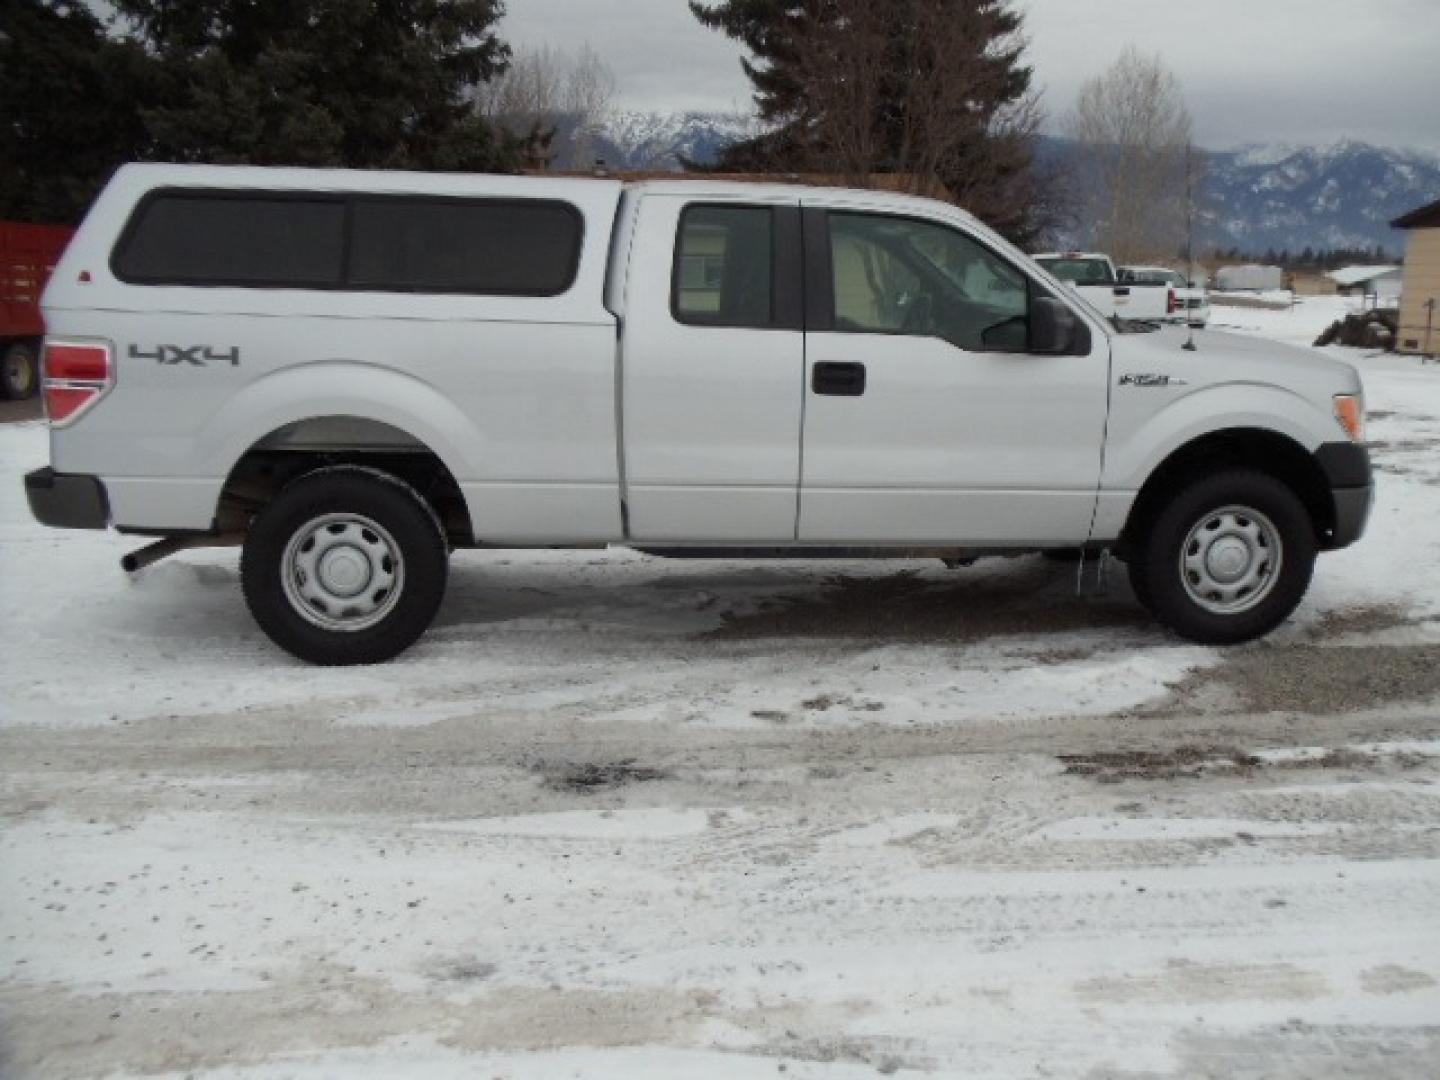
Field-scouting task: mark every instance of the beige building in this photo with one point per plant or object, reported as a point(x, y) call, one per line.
point(1420, 301)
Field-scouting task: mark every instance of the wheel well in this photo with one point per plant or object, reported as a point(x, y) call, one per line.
point(302, 447)
point(1251, 448)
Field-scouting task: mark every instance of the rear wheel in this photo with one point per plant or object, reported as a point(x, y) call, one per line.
point(19, 371)
point(1227, 559)
point(345, 566)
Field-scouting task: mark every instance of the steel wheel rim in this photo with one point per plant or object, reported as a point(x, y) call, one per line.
point(19, 373)
point(342, 572)
point(1231, 560)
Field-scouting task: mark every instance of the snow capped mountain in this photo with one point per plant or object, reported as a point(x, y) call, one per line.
point(1255, 197)
point(1280, 196)
point(1264, 154)
point(1342, 195)
point(640, 140)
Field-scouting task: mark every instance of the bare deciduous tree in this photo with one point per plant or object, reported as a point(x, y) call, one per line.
point(1134, 134)
point(560, 100)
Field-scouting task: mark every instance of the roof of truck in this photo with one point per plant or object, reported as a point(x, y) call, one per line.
point(148, 175)
point(286, 177)
point(786, 189)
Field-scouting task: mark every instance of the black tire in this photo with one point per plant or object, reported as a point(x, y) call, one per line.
point(19, 371)
point(1264, 523)
point(372, 528)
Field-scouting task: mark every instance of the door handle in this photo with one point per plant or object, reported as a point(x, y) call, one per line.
point(838, 379)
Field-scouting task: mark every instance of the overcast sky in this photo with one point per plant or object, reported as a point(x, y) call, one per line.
point(1298, 71)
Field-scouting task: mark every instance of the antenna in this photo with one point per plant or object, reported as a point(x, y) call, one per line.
point(1190, 345)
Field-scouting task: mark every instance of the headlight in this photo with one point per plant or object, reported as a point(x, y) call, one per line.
point(1350, 411)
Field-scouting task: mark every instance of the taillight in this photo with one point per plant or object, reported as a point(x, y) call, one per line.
point(1172, 304)
point(76, 376)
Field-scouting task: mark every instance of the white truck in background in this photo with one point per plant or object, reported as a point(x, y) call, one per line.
point(353, 374)
point(1189, 303)
point(1093, 276)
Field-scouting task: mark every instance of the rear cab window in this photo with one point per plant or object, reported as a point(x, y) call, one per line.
point(724, 267)
point(1080, 271)
point(738, 266)
point(357, 242)
point(1155, 277)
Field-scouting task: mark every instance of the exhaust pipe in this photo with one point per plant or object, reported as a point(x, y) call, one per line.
point(170, 545)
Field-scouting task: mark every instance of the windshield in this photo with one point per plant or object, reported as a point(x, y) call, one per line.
point(1047, 279)
point(1080, 271)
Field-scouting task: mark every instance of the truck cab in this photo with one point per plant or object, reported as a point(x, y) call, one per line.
point(352, 375)
point(1093, 276)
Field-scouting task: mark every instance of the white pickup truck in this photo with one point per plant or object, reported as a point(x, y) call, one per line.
point(1094, 277)
point(1189, 303)
point(355, 373)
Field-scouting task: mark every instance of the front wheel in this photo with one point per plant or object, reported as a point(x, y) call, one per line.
point(345, 566)
point(1227, 559)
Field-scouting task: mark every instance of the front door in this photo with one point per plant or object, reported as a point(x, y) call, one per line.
point(926, 420)
point(713, 370)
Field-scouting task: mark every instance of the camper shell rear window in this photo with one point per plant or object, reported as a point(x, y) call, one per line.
point(358, 242)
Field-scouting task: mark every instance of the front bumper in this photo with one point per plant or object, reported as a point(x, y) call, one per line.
point(1346, 466)
point(67, 500)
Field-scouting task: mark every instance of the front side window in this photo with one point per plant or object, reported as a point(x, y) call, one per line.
point(723, 267)
point(903, 276)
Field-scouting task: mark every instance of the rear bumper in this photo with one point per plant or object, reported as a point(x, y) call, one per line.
point(1346, 466)
point(67, 500)
point(1189, 316)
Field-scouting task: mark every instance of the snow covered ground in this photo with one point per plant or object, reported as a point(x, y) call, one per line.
point(622, 817)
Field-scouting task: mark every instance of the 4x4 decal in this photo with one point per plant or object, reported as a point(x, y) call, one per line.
point(196, 355)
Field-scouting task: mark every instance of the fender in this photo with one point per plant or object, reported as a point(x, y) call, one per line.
point(341, 388)
point(1137, 444)
point(190, 502)
point(500, 510)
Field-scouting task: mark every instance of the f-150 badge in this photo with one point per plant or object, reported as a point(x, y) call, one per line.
point(1151, 380)
point(195, 355)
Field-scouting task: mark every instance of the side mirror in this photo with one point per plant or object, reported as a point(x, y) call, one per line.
point(1052, 327)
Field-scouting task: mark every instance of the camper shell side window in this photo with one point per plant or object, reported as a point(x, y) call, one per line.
point(357, 242)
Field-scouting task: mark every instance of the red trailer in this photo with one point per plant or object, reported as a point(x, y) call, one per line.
point(28, 254)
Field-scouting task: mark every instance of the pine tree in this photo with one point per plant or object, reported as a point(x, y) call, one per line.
point(325, 82)
point(68, 99)
point(934, 88)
